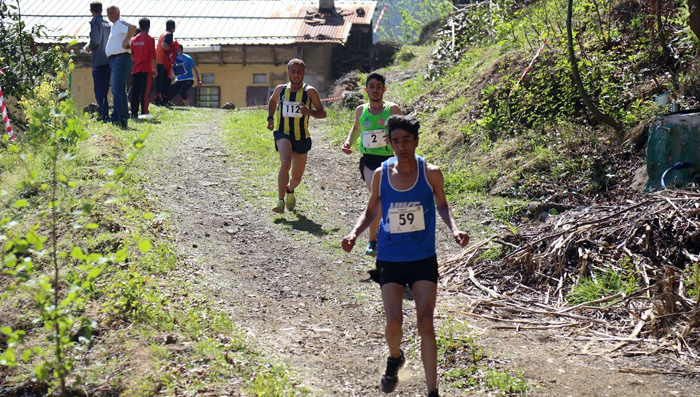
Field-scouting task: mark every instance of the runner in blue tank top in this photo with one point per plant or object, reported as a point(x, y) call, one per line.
point(410, 192)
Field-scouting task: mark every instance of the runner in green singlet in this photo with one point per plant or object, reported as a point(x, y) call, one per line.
point(370, 126)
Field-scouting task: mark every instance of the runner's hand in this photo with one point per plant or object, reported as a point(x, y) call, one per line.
point(304, 110)
point(348, 243)
point(462, 238)
point(346, 148)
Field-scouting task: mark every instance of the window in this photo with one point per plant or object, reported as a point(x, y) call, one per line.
point(208, 97)
point(259, 78)
point(208, 78)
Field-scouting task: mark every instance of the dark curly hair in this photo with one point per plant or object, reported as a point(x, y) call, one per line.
point(375, 76)
point(407, 123)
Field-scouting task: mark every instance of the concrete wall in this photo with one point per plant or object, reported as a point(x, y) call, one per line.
point(82, 87)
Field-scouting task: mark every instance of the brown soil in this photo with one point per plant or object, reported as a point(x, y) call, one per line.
point(287, 283)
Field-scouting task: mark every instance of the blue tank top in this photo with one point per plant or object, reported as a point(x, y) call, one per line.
point(410, 246)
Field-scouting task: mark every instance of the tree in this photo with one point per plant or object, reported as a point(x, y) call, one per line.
point(600, 116)
point(20, 57)
point(694, 18)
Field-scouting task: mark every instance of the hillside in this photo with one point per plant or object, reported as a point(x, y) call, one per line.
point(567, 221)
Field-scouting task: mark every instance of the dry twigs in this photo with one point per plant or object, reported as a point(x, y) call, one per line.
point(654, 241)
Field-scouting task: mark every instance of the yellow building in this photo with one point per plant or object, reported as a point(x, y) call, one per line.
point(241, 48)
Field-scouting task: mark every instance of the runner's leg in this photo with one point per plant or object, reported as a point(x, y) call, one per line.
point(298, 167)
point(425, 295)
point(284, 147)
point(392, 297)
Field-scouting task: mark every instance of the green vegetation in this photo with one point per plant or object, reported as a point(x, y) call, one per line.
point(538, 141)
point(404, 20)
point(602, 285)
point(468, 369)
point(691, 278)
point(23, 60)
point(88, 263)
point(87, 252)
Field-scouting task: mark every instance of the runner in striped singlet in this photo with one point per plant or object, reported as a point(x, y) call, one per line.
point(288, 110)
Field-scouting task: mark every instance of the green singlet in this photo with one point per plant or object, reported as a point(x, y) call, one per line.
point(371, 128)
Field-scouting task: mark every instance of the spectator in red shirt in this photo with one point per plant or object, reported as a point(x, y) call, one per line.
point(162, 51)
point(143, 51)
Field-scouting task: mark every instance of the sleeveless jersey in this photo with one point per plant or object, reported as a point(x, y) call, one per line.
point(410, 246)
point(288, 104)
point(371, 122)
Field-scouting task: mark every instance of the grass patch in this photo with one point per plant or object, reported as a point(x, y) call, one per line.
point(601, 285)
point(469, 370)
point(154, 325)
point(252, 147)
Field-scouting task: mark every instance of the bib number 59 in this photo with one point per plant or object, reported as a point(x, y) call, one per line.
point(405, 220)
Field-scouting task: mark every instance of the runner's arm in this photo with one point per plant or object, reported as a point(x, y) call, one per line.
point(437, 182)
point(198, 80)
point(318, 112)
point(366, 218)
point(353, 133)
point(272, 108)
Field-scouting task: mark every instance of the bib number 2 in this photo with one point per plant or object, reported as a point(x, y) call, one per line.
point(291, 109)
point(373, 138)
point(405, 220)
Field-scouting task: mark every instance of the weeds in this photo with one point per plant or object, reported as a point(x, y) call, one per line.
point(458, 350)
point(604, 284)
point(57, 273)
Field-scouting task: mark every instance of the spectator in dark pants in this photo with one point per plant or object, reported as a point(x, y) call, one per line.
point(184, 82)
point(99, 33)
point(118, 52)
point(143, 52)
point(162, 49)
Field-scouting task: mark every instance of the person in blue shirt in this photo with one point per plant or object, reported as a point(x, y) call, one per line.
point(184, 82)
point(410, 193)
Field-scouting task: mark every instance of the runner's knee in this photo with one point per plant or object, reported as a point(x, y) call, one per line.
point(285, 164)
point(426, 328)
point(394, 321)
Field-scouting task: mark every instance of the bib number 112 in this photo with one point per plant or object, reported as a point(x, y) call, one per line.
point(291, 109)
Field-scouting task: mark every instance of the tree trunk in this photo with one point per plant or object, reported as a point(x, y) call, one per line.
point(694, 18)
point(660, 30)
point(600, 116)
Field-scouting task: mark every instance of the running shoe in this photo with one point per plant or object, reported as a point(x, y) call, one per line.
point(279, 208)
point(371, 249)
point(434, 393)
point(390, 379)
point(291, 201)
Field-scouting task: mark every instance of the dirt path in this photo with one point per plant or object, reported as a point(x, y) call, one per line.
point(286, 282)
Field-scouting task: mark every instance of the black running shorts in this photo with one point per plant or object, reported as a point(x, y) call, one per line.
point(407, 273)
point(302, 146)
point(372, 161)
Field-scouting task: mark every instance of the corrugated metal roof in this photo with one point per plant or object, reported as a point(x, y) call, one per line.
point(211, 22)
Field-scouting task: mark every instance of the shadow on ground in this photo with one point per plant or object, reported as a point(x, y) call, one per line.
point(305, 224)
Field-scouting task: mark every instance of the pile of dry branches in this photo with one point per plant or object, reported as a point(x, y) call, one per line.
point(655, 240)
